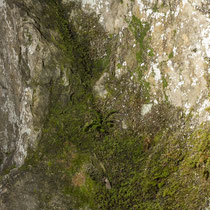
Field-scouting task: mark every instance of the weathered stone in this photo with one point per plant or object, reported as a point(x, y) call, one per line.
point(156, 80)
point(27, 70)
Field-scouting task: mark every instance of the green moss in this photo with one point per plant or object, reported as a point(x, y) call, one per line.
point(155, 7)
point(208, 109)
point(140, 31)
point(154, 168)
point(149, 180)
point(170, 191)
point(7, 171)
point(198, 156)
point(64, 148)
point(164, 81)
point(171, 55)
point(164, 85)
point(119, 65)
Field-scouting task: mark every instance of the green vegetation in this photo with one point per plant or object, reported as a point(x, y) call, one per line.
point(154, 168)
point(101, 123)
point(155, 7)
point(152, 179)
point(164, 85)
point(171, 55)
point(119, 65)
point(140, 31)
point(57, 156)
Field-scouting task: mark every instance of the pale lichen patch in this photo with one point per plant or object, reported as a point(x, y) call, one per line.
point(100, 86)
point(146, 109)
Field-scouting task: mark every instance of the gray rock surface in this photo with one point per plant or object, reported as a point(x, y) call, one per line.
point(25, 74)
point(31, 190)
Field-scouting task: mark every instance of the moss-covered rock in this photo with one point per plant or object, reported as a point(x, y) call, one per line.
point(106, 153)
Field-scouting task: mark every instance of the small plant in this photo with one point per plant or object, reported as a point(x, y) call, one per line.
point(101, 123)
point(119, 65)
point(171, 55)
point(155, 8)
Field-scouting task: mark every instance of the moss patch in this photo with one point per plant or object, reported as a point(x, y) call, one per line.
point(140, 31)
point(159, 165)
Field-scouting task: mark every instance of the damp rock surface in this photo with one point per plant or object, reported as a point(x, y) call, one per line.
point(104, 104)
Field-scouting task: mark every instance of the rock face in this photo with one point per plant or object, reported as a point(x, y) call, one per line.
point(25, 78)
point(94, 89)
point(179, 32)
point(16, 97)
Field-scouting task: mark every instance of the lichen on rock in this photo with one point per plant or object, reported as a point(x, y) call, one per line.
point(104, 104)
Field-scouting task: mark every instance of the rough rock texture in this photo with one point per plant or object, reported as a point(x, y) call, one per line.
point(26, 75)
point(29, 190)
point(121, 89)
point(179, 30)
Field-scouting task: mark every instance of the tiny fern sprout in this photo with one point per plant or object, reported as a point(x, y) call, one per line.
point(101, 123)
